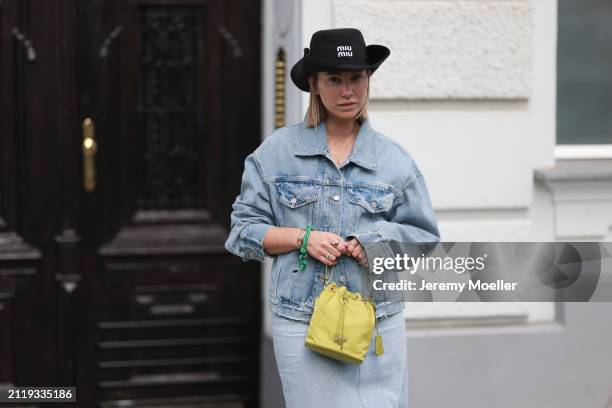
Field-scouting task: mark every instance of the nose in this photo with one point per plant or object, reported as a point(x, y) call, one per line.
point(347, 89)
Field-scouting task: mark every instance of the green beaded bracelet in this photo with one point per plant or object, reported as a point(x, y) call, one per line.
point(302, 262)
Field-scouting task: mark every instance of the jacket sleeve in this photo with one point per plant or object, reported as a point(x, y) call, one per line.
point(413, 221)
point(252, 214)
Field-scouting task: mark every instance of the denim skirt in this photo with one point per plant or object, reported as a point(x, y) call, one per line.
point(311, 380)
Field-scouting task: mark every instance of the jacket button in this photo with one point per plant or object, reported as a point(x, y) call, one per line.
point(336, 197)
point(373, 204)
point(293, 200)
point(342, 279)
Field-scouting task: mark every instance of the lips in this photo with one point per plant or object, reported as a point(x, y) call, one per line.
point(347, 104)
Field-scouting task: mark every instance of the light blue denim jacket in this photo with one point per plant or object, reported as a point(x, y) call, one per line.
point(378, 195)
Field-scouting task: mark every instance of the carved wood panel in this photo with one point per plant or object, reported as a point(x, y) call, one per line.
point(171, 59)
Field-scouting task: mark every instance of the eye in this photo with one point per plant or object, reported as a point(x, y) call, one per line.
point(357, 77)
point(334, 79)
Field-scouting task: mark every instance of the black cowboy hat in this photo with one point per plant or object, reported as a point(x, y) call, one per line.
point(338, 49)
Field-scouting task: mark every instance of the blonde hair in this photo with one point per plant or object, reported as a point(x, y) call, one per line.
point(316, 110)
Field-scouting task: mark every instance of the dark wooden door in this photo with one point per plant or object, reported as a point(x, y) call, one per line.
point(121, 154)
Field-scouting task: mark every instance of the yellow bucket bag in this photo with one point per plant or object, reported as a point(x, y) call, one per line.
point(342, 323)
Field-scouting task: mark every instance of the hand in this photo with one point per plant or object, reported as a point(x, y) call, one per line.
point(325, 247)
point(356, 250)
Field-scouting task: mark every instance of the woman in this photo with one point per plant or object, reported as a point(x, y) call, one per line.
point(355, 187)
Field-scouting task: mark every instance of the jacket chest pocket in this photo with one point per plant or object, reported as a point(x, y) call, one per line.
point(298, 202)
point(370, 204)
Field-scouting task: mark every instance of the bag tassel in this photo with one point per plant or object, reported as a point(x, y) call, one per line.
point(379, 345)
point(380, 350)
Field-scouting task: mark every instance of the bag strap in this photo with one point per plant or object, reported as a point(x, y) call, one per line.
point(328, 279)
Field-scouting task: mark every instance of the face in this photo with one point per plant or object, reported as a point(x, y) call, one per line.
point(343, 93)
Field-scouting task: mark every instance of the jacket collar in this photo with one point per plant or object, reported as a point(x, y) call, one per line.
point(313, 141)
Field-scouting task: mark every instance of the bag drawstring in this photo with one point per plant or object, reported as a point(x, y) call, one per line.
point(339, 337)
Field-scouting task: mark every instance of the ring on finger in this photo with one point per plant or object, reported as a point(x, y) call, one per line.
point(329, 256)
point(335, 244)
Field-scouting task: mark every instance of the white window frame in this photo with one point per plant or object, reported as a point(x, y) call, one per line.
point(583, 152)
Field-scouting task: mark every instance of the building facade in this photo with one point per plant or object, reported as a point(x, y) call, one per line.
point(471, 91)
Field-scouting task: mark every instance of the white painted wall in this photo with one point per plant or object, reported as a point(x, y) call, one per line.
point(447, 49)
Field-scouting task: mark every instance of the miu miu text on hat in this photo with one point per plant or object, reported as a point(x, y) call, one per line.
point(344, 51)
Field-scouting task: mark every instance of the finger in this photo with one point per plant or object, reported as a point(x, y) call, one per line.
point(333, 251)
point(360, 248)
point(319, 253)
point(357, 252)
point(325, 248)
point(354, 243)
point(361, 258)
point(350, 247)
point(339, 245)
point(323, 259)
point(338, 242)
point(328, 256)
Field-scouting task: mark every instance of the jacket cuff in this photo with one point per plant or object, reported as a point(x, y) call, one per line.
point(252, 242)
point(374, 244)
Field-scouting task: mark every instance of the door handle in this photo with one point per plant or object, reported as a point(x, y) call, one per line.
point(90, 147)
